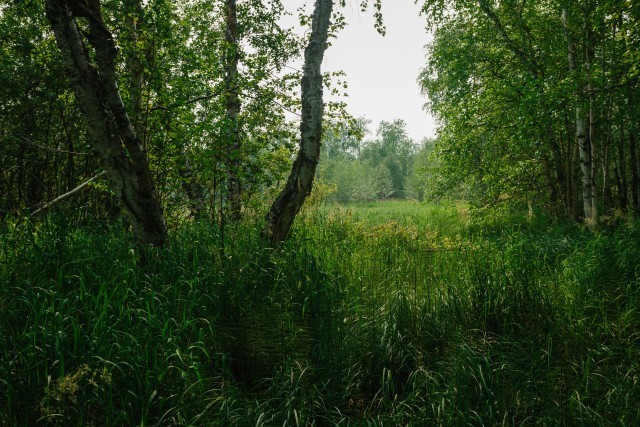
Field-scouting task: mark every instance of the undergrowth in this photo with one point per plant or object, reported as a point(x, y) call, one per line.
point(357, 320)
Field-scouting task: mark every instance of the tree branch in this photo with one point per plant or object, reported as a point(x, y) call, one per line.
point(70, 193)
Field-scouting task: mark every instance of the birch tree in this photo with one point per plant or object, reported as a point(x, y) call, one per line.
point(232, 107)
point(115, 141)
point(300, 181)
point(582, 135)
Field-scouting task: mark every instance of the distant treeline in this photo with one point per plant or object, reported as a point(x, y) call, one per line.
point(389, 166)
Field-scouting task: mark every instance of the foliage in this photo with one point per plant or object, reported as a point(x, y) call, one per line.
point(421, 179)
point(399, 313)
point(498, 79)
point(171, 80)
point(39, 126)
point(368, 169)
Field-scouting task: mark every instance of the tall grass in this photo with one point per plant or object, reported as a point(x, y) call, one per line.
point(392, 315)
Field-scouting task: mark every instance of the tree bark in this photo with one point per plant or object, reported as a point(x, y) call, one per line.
point(581, 134)
point(299, 184)
point(593, 153)
point(559, 186)
point(233, 106)
point(634, 171)
point(623, 199)
point(606, 179)
point(134, 66)
point(191, 186)
point(96, 90)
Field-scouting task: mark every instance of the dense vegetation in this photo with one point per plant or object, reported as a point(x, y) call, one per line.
point(384, 314)
point(146, 276)
point(390, 166)
point(538, 102)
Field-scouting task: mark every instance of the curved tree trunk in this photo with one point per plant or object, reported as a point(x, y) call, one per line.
point(298, 186)
point(96, 91)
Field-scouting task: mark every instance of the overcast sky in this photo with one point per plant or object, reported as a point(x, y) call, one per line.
point(382, 71)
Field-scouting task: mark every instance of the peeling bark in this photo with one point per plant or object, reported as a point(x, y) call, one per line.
point(299, 184)
point(581, 135)
point(109, 127)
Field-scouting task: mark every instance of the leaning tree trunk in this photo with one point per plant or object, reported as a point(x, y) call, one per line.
point(96, 90)
point(298, 186)
point(581, 135)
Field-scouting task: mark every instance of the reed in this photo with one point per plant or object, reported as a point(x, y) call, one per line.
point(396, 314)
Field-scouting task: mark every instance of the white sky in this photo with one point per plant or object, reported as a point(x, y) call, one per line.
point(381, 71)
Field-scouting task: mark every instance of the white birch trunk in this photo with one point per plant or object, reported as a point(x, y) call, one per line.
point(285, 208)
point(584, 148)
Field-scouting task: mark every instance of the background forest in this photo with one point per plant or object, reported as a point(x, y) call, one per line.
point(391, 166)
point(156, 153)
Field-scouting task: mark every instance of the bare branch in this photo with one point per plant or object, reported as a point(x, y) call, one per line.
point(70, 193)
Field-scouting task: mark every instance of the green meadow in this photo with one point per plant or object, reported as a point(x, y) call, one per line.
point(375, 314)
